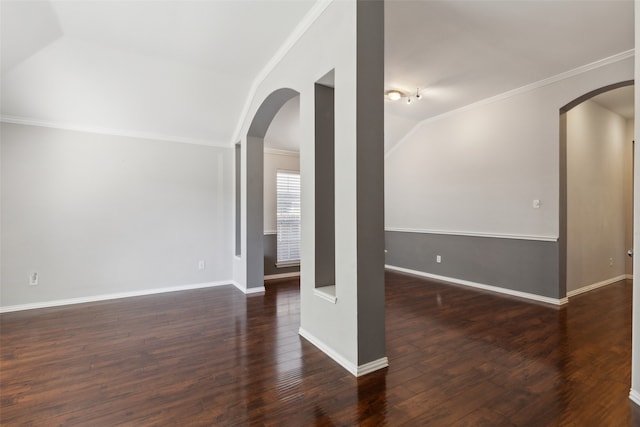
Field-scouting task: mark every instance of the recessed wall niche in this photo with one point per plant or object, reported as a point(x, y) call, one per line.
point(325, 241)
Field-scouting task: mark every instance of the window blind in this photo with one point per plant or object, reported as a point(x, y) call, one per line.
point(288, 217)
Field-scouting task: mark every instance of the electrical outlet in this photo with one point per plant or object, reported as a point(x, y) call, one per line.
point(33, 279)
point(438, 259)
point(201, 265)
point(610, 262)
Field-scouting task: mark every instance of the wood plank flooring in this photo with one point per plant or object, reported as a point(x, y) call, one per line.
point(458, 357)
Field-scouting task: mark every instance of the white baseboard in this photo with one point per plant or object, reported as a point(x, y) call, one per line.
point(106, 297)
point(342, 361)
point(634, 395)
point(596, 285)
point(247, 291)
point(497, 289)
point(628, 276)
point(367, 368)
point(282, 275)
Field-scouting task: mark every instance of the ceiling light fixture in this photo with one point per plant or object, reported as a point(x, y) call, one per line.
point(394, 95)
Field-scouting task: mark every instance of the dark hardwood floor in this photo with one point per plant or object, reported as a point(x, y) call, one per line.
point(458, 357)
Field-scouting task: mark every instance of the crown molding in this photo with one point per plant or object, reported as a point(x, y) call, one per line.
point(293, 38)
point(276, 151)
point(107, 131)
point(514, 92)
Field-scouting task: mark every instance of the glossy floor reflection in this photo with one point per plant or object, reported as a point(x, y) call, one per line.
point(217, 357)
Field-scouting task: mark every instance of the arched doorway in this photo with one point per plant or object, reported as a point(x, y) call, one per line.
point(570, 280)
point(255, 184)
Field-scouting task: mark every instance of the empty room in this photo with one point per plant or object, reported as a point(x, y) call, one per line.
point(318, 212)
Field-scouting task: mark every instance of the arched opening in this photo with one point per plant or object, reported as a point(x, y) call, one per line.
point(596, 193)
point(254, 174)
point(282, 194)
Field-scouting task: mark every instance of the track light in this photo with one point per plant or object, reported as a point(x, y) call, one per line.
point(395, 95)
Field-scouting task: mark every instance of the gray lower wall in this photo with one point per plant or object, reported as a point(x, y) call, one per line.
point(520, 265)
point(270, 256)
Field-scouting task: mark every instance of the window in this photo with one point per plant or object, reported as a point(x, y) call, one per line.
point(288, 217)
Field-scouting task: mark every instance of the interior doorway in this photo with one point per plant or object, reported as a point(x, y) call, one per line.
point(282, 239)
point(596, 193)
point(255, 185)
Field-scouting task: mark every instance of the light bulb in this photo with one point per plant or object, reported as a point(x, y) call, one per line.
point(394, 95)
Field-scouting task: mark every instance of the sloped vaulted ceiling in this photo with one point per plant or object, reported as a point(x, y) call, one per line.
point(183, 69)
point(461, 52)
point(169, 69)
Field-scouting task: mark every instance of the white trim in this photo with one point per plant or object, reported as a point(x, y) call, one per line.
point(279, 152)
point(367, 368)
point(596, 286)
point(634, 396)
point(476, 234)
point(342, 361)
point(108, 131)
point(327, 293)
point(282, 275)
point(497, 289)
point(248, 291)
point(289, 171)
point(270, 232)
point(514, 92)
point(628, 276)
point(237, 285)
point(301, 28)
point(288, 264)
point(357, 371)
point(106, 297)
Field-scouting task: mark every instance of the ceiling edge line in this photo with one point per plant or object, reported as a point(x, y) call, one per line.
point(106, 131)
point(315, 12)
point(518, 91)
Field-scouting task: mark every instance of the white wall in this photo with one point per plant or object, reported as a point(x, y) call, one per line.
point(274, 161)
point(597, 195)
point(329, 43)
point(477, 170)
point(96, 214)
point(320, 49)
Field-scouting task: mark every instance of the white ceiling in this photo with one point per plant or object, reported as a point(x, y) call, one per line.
point(620, 101)
point(284, 131)
point(183, 69)
point(179, 69)
point(460, 52)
